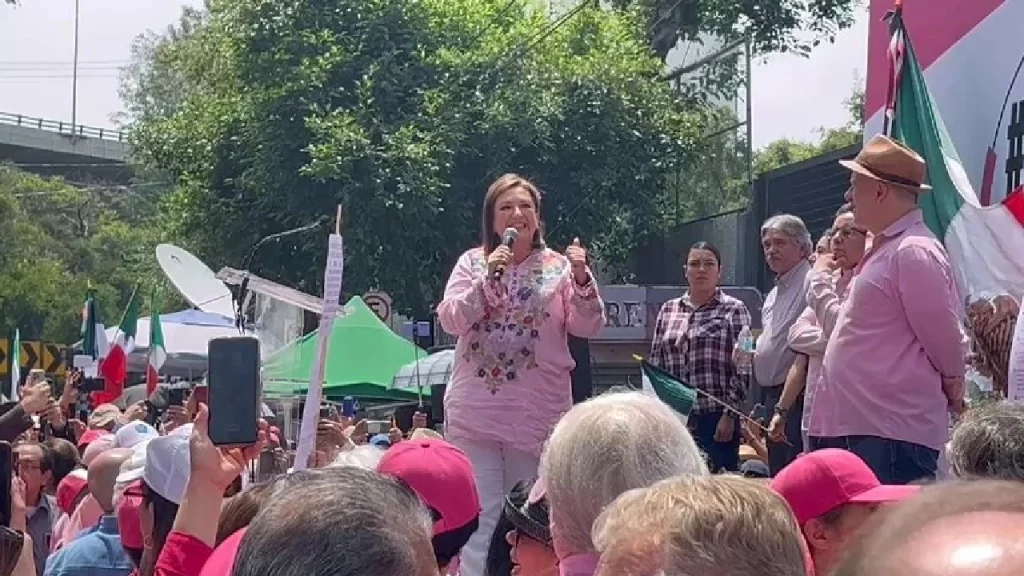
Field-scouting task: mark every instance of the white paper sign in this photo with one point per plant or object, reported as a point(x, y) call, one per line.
point(332, 292)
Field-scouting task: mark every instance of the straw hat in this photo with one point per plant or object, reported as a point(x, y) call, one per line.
point(887, 160)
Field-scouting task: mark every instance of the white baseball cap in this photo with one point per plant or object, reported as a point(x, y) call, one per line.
point(168, 465)
point(129, 435)
point(132, 468)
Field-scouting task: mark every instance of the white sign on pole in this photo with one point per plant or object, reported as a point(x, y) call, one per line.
point(380, 303)
point(332, 292)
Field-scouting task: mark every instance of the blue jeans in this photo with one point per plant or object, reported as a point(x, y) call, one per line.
point(893, 461)
point(719, 455)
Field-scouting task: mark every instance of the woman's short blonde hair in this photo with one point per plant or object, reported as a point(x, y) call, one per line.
point(721, 525)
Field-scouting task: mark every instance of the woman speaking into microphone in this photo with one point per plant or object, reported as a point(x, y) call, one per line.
point(511, 302)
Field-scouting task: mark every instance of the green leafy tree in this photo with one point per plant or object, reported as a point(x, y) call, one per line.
point(773, 25)
point(403, 113)
point(784, 152)
point(60, 240)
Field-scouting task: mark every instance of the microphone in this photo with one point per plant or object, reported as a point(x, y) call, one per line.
point(508, 238)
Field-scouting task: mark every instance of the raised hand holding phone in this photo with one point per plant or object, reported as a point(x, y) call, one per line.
point(219, 466)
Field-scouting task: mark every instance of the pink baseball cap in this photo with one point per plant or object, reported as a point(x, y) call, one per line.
point(70, 488)
point(90, 436)
point(816, 483)
point(222, 560)
point(441, 475)
point(128, 523)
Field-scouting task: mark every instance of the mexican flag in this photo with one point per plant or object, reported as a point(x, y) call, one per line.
point(15, 364)
point(94, 337)
point(115, 366)
point(669, 389)
point(157, 351)
point(985, 244)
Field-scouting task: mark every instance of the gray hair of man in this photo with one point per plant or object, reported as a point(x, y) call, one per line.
point(724, 525)
point(989, 443)
point(791, 226)
point(604, 447)
point(366, 457)
point(385, 529)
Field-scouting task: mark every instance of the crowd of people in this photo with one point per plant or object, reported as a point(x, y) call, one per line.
point(859, 369)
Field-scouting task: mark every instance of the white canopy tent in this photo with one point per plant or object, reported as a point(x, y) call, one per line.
point(186, 337)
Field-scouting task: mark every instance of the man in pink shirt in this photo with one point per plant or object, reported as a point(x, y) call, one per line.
point(895, 364)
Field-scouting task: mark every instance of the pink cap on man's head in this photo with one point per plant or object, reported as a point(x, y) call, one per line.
point(70, 488)
point(129, 524)
point(443, 477)
point(90, 436)
point(816, 483)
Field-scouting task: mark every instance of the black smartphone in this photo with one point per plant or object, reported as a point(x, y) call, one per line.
point(92, 385)
point(234, 390)
point(6, 470)
point(176, 396)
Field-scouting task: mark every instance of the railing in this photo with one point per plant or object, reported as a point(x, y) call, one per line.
point(61, 127)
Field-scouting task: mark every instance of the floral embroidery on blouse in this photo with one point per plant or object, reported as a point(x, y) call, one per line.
point(502, 342)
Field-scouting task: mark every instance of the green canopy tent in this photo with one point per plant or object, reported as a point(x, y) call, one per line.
point(363, 355)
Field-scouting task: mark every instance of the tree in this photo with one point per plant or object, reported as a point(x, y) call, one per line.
point(152, 89)
point(62, 239)
point(403, 113)
point(784, 152)
point(773, 25)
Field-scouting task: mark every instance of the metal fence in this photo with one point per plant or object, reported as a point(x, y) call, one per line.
point(61, 127)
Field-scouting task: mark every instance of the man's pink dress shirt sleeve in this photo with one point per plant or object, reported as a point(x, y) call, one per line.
point(467, 296)
point(825, 299)
point(805, 336)
point(928, 295)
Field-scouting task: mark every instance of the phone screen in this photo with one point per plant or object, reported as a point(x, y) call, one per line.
point(234, 390)
point(201, 394)
point(6, 470)
point(176, 397)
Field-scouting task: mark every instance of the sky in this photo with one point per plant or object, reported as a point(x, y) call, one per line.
point(792, 96)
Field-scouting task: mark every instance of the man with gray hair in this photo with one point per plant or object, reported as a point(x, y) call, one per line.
point(787, 249)
point(342, 521)
point(598, 450)
point(989, 443)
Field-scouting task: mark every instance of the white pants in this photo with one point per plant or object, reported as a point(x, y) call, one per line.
point(498, 468)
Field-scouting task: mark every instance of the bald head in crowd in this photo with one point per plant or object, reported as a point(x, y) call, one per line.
point(964, 529)
point(103, 472)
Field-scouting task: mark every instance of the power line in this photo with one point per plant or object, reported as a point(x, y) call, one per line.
point(23, 77)
point(60, 62)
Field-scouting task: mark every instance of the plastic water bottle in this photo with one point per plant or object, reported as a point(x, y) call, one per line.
point(744, 359)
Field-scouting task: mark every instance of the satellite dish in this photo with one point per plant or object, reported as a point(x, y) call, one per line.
point(194, 280)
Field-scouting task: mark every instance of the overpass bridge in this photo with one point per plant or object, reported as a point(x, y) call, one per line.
point(55, 148)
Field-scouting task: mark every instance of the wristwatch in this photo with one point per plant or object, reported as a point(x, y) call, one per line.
point(781, 411)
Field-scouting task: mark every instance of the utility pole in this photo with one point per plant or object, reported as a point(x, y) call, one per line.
point(74, 76)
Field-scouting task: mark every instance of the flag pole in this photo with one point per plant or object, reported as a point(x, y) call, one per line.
point(728, 408)
point(124, 313)
point(895, 19)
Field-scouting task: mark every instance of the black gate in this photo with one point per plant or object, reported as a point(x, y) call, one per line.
point(812, 189)
point(1015, 152)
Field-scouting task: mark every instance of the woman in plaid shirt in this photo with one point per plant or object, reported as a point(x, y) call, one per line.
point(694, 339)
